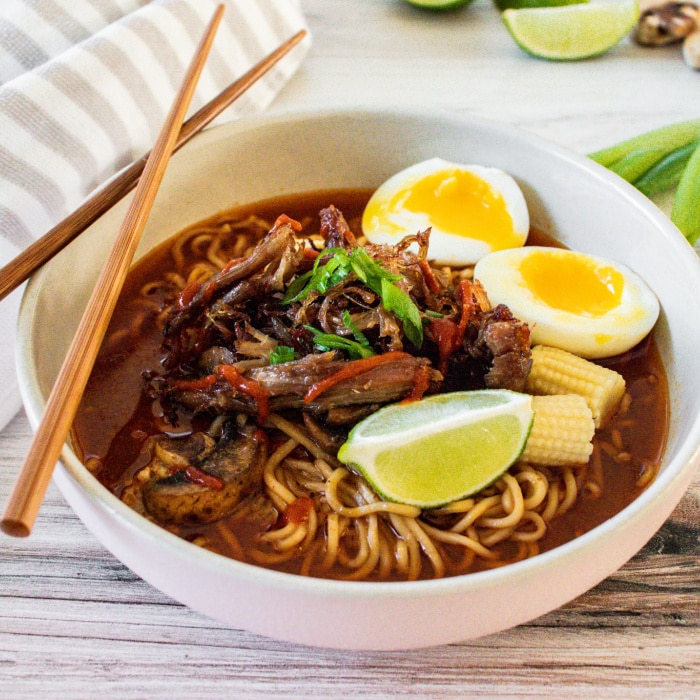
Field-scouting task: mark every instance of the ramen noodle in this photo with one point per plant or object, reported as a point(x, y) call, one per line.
point(305, 512)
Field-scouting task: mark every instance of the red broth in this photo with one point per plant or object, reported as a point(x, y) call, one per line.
point(116, 417)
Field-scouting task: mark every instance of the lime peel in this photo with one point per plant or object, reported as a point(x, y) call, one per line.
point(443, 448)
point(439, 4)
point(522, 4)
point(571, 32)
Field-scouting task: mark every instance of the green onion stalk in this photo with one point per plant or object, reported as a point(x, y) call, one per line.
point(660, 160)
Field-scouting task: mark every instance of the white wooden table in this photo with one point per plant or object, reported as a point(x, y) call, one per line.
point(76, 623)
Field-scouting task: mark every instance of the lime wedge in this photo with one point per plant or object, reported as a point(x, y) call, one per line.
point(573, 32)
point(522, 4)
point(439, 4)
point(443, 448)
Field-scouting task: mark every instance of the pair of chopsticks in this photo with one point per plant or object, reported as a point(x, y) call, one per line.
point(33, 479)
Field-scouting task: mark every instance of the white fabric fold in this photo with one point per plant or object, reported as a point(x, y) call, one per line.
point(84, 88)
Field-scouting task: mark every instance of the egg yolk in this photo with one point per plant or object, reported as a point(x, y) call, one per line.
point(461, 203)
point(572, 282)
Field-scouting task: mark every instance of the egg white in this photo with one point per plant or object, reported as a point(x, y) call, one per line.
point(384, 224)
point(589, 336)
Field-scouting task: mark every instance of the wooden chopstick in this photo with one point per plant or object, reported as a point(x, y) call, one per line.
point(43, 249)
point(30, 487)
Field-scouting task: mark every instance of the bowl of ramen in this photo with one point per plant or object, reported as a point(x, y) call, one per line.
point(379, 379)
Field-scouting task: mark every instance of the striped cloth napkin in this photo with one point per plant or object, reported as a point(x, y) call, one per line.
point(84, 88)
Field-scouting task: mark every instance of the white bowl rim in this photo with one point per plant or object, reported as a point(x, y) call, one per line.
point(679, 469)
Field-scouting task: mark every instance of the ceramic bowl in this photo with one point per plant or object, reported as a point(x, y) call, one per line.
point(587, 207)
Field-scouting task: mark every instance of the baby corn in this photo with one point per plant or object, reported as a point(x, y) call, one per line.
point(556, 371)
point(562, 432)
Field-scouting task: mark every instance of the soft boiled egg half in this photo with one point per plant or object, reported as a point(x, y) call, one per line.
point(590, 306)
point(471, 210)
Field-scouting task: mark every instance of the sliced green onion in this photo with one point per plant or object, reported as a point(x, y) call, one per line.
point(394, 299)
point(280, 354)
point(353, 328)
point(370, 272)
point(398, 302)
point(338, 266)
point(330, 341)
point(297, 289)
point(321, 277)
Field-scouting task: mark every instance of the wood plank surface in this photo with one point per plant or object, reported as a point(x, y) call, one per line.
point(75, 623)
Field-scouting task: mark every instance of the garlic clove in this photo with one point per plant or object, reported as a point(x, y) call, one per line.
point(691, 49)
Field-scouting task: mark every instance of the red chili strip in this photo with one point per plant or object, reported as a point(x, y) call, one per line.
point(421, 382)
point(429, 275)
point(298, 511)
point(464, 295)
point(230, 264)
point(262, 437)
point(209, 290)
point(197, 340)
point(284, 219)
point(351, 370)
point(187, 294)
point(195, 384)
point(191, 291)
point(196, 476)
point(248, 386)
point(448, 334)
point(444, 331)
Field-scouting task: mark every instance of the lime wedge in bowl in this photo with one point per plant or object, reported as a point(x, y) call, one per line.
point(442, 448)
point(572, 32)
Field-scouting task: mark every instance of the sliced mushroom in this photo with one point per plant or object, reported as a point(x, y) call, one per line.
point(230, 471)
